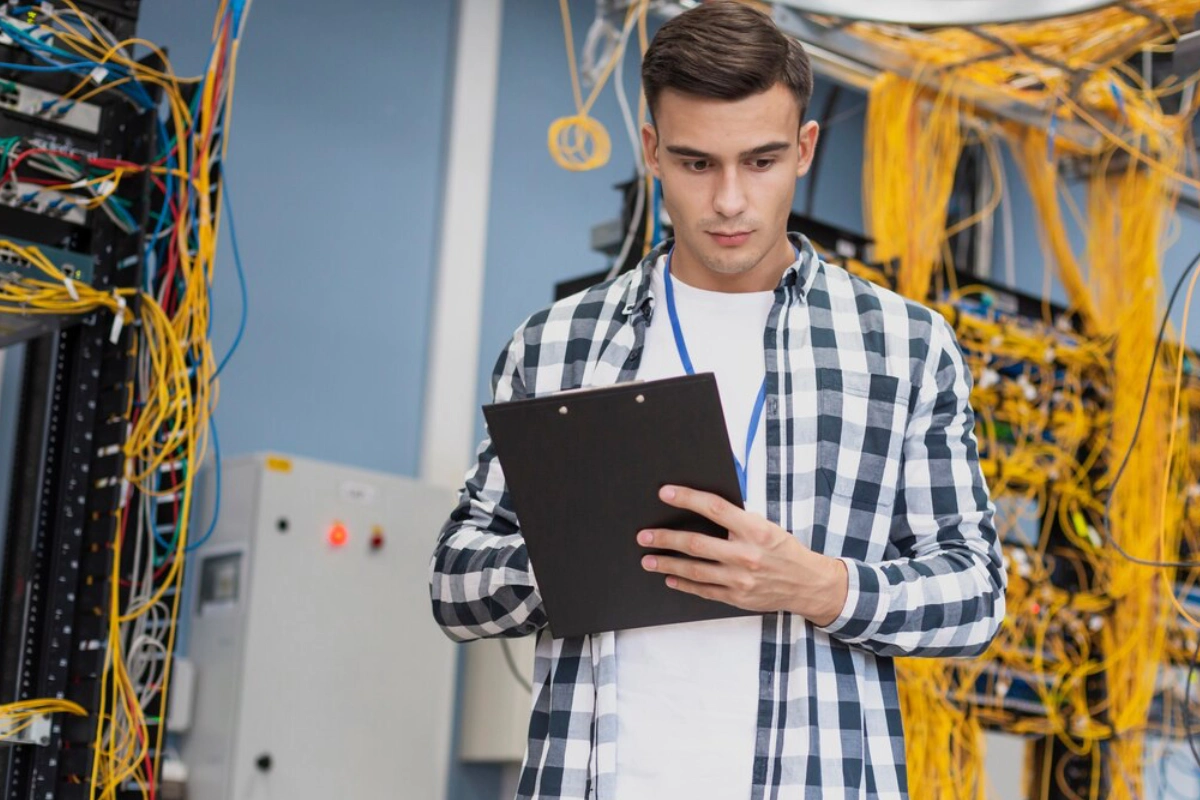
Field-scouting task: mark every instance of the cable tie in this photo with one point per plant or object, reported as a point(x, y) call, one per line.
point(98, 74)
point(118, 319)
point(1116, 93)
point(70, 284)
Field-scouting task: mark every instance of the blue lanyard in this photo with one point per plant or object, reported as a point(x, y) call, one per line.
point(681, 346)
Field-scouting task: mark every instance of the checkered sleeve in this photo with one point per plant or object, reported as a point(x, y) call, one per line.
point(944, 595)
point(481, 583)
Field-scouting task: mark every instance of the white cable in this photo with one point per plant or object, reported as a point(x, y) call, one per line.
point(120, 223)
point(108, 36)
point(1006, 215)
point(635, 143)
point(146, 665)
point(591, 65)
point(623, 100)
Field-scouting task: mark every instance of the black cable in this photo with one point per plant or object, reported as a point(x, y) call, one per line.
point(1187, 704)
point(1112, 490)
point(810, 196)
point(512, 667)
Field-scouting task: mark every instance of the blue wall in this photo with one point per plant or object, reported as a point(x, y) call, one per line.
point(540, 215)
point(1185, 250)
point(335, 169)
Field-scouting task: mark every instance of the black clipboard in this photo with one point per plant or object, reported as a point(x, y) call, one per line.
point(584, 469)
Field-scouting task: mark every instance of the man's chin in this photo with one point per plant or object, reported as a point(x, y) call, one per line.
point(731, 263)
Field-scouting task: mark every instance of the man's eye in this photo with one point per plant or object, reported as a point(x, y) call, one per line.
point(695, 166)
point(763, 163)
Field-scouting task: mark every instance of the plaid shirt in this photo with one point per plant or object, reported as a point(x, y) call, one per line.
point(871, 459)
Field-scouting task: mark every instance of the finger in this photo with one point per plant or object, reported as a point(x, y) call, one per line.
point(698, 545)
point(706, 504)
point(707, 591)
point(692, 570)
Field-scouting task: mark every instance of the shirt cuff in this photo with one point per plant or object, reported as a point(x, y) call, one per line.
point(854, 596)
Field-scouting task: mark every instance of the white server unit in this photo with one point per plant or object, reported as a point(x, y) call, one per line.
point(319, 670)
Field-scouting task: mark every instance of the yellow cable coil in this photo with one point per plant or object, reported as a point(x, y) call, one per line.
point(579, 142)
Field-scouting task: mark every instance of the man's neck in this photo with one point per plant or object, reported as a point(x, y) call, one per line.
point(762, 277)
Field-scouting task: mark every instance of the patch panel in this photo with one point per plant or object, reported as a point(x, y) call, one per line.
point(49, 107)
point(39, 200)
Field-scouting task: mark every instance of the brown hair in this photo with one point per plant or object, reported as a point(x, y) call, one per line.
point(727, 51)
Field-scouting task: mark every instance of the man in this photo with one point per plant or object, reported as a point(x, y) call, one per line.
point(867, 532)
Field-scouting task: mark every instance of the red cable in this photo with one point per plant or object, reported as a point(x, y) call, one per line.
point(17, 161)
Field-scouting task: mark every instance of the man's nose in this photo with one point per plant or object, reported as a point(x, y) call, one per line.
point(730, 198)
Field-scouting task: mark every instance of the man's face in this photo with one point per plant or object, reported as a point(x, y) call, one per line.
point(728, 170)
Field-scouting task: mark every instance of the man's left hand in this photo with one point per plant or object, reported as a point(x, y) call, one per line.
point(761, 567)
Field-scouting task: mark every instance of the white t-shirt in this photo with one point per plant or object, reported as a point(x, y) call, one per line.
point(687, 695)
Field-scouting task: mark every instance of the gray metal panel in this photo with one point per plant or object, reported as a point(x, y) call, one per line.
point(216, 641)
point(947, 12)
point(328, 662)
point(12, 362)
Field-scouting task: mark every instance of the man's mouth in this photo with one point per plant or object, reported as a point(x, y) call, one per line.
point(730, 239)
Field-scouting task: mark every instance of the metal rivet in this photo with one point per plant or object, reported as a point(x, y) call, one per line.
point(562, 409)
point(641, 398)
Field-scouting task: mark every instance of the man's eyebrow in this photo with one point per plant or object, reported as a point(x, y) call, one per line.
point(765, 149)
point(761, 150)
point(686, 152)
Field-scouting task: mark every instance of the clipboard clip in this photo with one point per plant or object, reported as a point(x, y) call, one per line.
point(582, 389)
point(564, 410)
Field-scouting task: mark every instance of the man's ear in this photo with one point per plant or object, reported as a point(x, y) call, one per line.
point(806, 146)
point(650, 149)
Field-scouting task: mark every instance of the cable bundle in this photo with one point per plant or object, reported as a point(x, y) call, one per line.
point(17, 717)
point(899, 133)
point(175, 387)
point(1092, 608)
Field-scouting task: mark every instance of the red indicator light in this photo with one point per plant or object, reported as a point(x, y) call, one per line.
point(338, 535)
point(377, 539)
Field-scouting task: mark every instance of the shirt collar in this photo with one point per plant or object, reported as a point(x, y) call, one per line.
point(800, 275)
